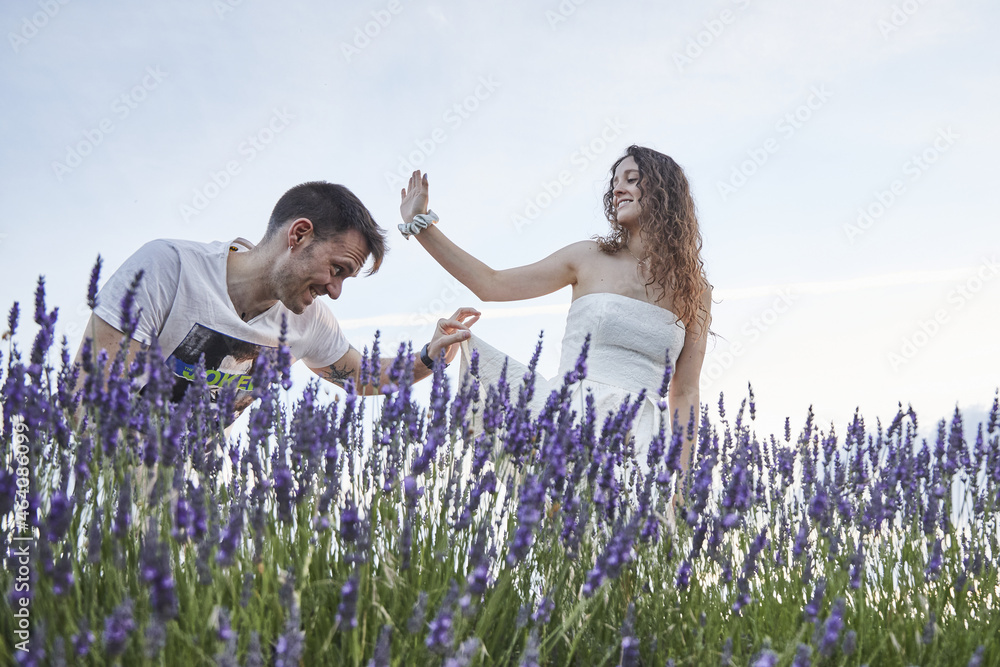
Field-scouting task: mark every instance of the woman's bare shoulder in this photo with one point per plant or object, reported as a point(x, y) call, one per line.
point(583, 248)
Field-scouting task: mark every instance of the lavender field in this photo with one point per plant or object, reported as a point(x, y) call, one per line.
point(378, 531)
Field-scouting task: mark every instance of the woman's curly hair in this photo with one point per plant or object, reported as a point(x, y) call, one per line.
point(670, 227)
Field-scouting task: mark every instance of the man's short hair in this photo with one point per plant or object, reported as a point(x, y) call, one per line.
point(333, 210)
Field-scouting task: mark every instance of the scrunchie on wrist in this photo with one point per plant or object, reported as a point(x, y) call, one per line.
point(420, 221)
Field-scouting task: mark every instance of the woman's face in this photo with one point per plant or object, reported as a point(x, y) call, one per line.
point(625, 188)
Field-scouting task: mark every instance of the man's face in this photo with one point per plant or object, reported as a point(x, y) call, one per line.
point(315, 268)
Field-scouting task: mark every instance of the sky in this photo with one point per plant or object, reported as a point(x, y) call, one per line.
point(840, 155)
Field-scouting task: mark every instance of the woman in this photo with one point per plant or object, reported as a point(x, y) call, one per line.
point(639, 291)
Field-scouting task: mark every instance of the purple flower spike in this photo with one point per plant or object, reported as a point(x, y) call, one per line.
point(812, 609)
point(441, 636)
point(630, 643)
point(531, 654)
point(544, 611)
point(383, 648)
point(850, 644)
point(347, 611)
point(933, 569)
point(930, 630)
point(803, 656)
point(226, 554)
point(155, 570)
point(684, 575)
point(668, 372)
point(95, 275)
point(416, 622)
point(766, 658)
point(60, 515)
point(830, 630)
point(529, 514)
point(117, 628)
point(349, 522)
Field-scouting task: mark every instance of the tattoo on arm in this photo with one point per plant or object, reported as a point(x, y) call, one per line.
point(337, 374)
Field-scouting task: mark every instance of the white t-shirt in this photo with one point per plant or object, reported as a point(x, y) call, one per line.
point(183, 301)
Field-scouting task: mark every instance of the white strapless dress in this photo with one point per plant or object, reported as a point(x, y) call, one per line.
point(629, 343)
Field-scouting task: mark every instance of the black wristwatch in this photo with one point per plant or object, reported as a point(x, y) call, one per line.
point(426, 358)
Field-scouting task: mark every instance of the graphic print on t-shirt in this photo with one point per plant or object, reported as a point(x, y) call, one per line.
point(228, 362)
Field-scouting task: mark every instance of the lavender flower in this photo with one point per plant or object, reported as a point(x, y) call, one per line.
point(291, 643)
point(117, 628)
point(349, 522)
point(94, 538)
point(82, 640)
point(727, 653)
point(857, 566)
point(684, 575)
point(803, 656)
point(255, 656)
point(629, 643)
point(668, 372)
point(532, 649)
point(812, 609)
point(930, 630)
point(156, 637)
point(466, 653)
point(231, 540)
point(383, 648)
point(155, 571)
point(933, 569)
point(62, 577)
point(347, 610)
point(830, 630)
point(544, 610)
point(529, 514)
point(60, 515)
point(618, 553)
point(416, 622)
point(440, 635)
point(766, 658)
point(850, 644)
point(123, 516)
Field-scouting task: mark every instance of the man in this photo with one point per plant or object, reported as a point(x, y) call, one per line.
point(226, 301)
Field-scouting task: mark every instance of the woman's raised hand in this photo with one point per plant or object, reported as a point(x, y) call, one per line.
point(413, 198)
